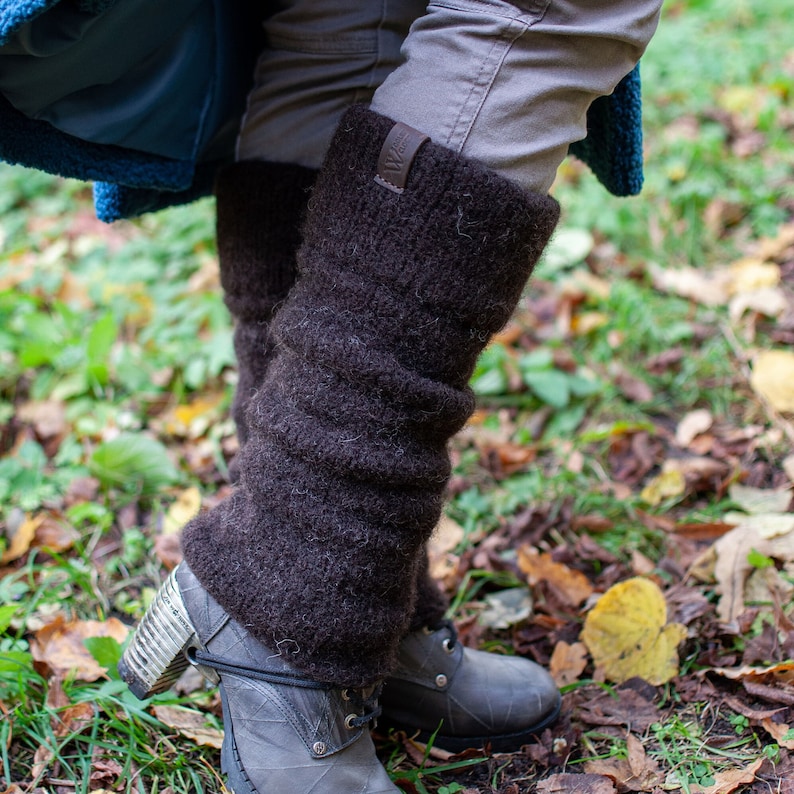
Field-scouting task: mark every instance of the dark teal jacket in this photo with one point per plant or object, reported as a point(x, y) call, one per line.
point(144, 98)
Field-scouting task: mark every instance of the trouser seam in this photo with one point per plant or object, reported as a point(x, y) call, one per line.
point(349, 44)
point(465, 120)
point(528, 18)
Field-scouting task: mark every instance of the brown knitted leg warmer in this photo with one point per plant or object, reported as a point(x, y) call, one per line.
point(260, 209)
point(343, 475)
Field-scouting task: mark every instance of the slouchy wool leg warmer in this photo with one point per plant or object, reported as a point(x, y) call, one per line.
point(260, 209)
point(318, 550)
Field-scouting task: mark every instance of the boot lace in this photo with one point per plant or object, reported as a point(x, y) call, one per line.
point(364, 701)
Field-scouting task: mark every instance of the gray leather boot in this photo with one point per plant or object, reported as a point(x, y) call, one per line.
point(471, 697)
point(283, 732)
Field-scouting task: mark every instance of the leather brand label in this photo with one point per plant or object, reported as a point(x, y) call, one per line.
point(397, 156)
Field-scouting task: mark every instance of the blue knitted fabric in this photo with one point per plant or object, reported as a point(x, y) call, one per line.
point(613, 146)
point(16, 13)
point(131, 182)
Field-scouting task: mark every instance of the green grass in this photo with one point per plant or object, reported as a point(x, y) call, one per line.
point(118, 325)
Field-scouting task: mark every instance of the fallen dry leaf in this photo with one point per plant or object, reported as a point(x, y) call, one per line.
point(505, 608)
point(709, 289)
point(729, 780)
point(567, 662)
point(788, 467)
point(627, 633)
point(55, 534)
point(692, 425)
point(637, 772)
point(773, 378)
point(622, 706)
point(666, 485)
point(105, 772)
point(20, 537)
point(776, 247)
point(779, 731)
point(770, 301)
point(41, 760)
point(571, 586)
point(60, 646)
point(190, 723)
point(770, 535)
point(568, 783)
point(73, 719)
point(186, 506)
point(168, 549)
point(774, 684)
point(47, 417)
point(760, 500)
point(446, 537)
point(752, 273)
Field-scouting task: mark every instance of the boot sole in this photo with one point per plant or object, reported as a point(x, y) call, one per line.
point(156, 656)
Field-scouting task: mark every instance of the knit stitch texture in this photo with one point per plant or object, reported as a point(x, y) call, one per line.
point(260, 209)
point(259, 212)
point(318, 550)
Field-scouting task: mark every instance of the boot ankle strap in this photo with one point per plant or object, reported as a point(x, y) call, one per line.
point(201, 658)
point(368, 704)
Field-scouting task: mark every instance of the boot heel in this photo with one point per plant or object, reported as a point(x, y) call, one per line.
point(156, 657)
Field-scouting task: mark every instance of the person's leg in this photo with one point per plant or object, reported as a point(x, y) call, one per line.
point(343, 475)
point(322, 58)
point(409, 265)
point(260, 207)
point(509, 83)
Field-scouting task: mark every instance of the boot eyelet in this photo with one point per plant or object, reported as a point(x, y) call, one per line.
point(441, 680)
point(349, 721)
point(447, 646)
point(345, 694)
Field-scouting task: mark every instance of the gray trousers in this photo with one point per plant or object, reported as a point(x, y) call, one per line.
point(508, 84)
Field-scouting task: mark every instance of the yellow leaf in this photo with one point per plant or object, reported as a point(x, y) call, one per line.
point(748, 275)
point(186, 506)
point(671, 482)
point(587, 322)
point(193, 420)
point(627, 633)
point(773, 378)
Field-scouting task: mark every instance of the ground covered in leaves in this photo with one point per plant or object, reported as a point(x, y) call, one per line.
point(621, 505)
